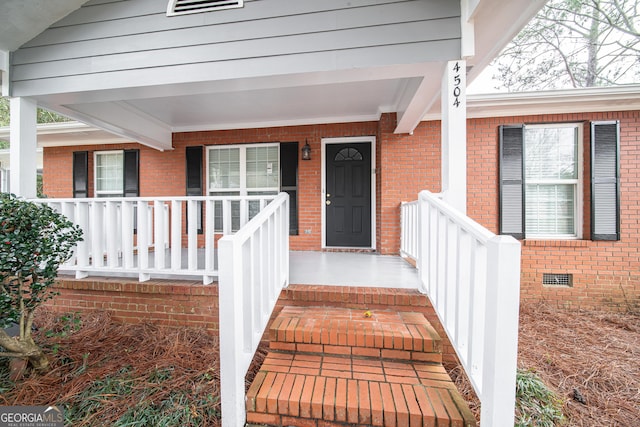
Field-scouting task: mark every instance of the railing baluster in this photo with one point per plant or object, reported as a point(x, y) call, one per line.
point(176, 235)
point(67, 209)
point(143, 240)
point(209, 236)
point(112, 232)
point(97, 225)
point(127, 234)
point(158, 234)
point(226, 217)
point(82, 252)
point(192, 234)
point(244, 212)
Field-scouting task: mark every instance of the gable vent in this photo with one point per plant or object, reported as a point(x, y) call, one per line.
point(183, 7)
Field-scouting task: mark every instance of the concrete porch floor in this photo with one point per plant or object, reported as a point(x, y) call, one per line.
point(351, 269)
point(320, 268)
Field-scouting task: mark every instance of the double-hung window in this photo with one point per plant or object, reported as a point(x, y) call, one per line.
point(115, 173)
point(242, 170)
point(553, 185)
point(109, 173)
point(541, 181)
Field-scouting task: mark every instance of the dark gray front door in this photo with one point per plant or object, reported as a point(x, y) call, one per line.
point(348, 195)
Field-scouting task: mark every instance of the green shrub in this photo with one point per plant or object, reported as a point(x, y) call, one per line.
point(34, 241)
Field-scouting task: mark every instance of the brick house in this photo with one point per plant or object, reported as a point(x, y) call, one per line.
point(576, 270)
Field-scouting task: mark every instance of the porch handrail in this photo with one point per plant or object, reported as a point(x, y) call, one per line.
point(472, 278)
point(254, 268)
point(144, 235)
point(408, 229)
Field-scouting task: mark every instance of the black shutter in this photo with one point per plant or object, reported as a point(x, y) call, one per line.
point(512, 211)
point(131, 178)
point(194, 171)
point(605, 180)
point(80, 174)
point(289, 181)
point(194, 178)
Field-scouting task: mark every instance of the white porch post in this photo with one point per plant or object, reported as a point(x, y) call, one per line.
point(23, 135)
point(454, 134)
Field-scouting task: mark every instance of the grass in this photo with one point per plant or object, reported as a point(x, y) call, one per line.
point(193, 407)
point(536, 404)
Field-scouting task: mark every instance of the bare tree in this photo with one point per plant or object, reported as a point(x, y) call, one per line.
point(575, 43)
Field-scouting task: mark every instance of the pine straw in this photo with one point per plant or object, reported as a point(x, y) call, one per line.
point(101, 348)
point(594, 353)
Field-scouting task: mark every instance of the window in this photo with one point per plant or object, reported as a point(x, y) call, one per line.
point(247, 170)
point(541, 181)
point(115, 173)
point(552, 164)
point(109, 173)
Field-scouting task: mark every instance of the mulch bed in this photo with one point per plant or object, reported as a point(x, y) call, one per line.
point(582, 355)
point(590, 359)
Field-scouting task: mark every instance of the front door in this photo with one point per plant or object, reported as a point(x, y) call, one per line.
point(348, 195)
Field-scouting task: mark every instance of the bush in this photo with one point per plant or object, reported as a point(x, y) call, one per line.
point(34, 241)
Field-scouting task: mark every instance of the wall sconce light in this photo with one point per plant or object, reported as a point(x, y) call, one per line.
point(306, 151)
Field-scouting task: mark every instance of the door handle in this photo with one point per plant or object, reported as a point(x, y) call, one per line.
point(328, 202)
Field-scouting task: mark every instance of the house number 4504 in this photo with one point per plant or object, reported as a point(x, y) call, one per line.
point(457, 89)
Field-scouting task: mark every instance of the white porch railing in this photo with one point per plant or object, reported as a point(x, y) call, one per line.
point(408, 230)
point(254, 267)
point(144, 236)
point(472, 278)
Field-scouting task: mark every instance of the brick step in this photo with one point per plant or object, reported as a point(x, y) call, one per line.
point(340, 331)
point(306, 390)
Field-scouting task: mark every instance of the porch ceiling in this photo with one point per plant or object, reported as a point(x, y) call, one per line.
point(150, 114)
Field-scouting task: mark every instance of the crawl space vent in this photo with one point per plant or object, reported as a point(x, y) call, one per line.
point(550, 279)
point(184, 7)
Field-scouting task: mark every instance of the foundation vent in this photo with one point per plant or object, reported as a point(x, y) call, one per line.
point(552, 279)
point(183, 7)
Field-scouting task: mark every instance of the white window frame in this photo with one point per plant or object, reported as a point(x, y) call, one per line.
point(242, 189)
point(106, 193)
point(578, 208)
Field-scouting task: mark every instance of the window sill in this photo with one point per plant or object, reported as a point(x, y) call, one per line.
point(578, 243)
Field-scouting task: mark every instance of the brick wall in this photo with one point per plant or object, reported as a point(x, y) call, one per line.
point(163, 173)
point(192, 304)
point(162, 302)
point(605, 274)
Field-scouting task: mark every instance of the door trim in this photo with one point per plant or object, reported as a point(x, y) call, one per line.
point(346, 140)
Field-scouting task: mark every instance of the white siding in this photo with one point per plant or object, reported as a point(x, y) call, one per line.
point(107, 41)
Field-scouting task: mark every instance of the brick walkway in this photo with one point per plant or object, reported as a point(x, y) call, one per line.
point(340, 367)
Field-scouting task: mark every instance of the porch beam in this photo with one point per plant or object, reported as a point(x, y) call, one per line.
point(124, 120)
point(22, 152)
point(420, 93)
point(454, 135)
point(467, 27)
